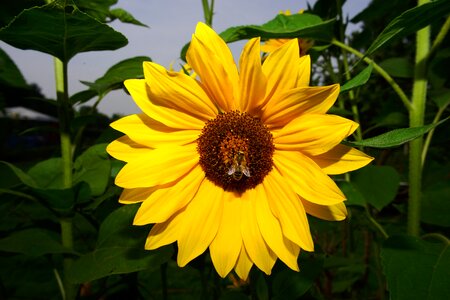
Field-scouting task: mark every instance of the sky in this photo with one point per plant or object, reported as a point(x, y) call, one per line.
point(171, 24)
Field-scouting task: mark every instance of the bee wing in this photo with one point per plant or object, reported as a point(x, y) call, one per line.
point(231, 170)
point(246, 171)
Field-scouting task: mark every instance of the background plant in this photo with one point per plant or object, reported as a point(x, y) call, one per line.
point(63, 234)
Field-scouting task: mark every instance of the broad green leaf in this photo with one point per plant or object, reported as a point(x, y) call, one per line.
point(9, 73)
point(398, 67)
point(93, 167)
point(441, 98)
point(282, 26)
point(124, 17)
point(83, 96)
point(416, 269)
point(9, 171)
point(120, 249)
point(33, 242)
point(411, 21)
point(377, 184)
point(435, 205)
point(289, 284)
point(358, 80)
point(117, 74)
point(48, 174)
point(262, 290)
point(51, 30)
point(353, 195)
point(99, 9)
point(395, 137)
point(10, 9)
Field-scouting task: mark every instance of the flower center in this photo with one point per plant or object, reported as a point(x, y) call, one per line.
point(235, 151)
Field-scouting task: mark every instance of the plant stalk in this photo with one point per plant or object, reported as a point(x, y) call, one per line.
point(416, 118)
point(66, 225)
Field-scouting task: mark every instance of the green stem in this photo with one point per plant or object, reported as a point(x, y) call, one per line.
point(440, 37)
point(64, 110)
point(427, 142)
point(416, 118)
point(351, 94)
point(376, 224)
point(401, 94)
point(208, 11)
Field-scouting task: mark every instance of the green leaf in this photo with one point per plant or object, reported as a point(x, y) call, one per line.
point(119, 250)
point(48, 174)
point(9, 72)
point(398, 67)
point(10, 171)
point(117, 74)
point(124, 17)
point(435, 205)
point(411, 21)
point(33, 242)
point(395, 137)
point(353, 195)
point(51, 30)
point(377, 184)
point(93, 167)
point(289, 284)
point(358, 80)
point(282, 26)
point(416, 269)
point(262, 290)
point(98, 9)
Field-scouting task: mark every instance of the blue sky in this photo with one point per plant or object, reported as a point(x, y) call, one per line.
point(171, 24)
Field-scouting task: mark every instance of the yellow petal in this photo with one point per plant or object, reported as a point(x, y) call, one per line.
point(313, 134)
point(227, 244)
point(252, 81)
point(295, 102)
point(130, 196)
point(304, 71)
point(306, 178)
point(201, 222)
point(281, 69)
point(270, 229)
point(162, 203)
point(256, 247)
point(336, 212)
point(159, 166)
point(165, 233)
point(127, 150)
point(171, 117)
point(218, 46)
point(341, 159)
point(243, 265)
point(148, 132)
point(178, 91)
point(288, 209)
point(211, 59)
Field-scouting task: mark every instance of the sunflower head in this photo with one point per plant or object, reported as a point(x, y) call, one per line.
point(233, 159)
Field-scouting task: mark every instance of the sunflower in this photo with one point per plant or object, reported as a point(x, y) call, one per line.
point(235, 160)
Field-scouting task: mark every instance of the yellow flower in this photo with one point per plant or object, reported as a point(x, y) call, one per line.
point(272, 44)
point(233, 161)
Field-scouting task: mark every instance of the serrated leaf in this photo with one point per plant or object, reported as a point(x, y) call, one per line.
point(48, 174)
point(9, 72)
point(33, 242)
point(120, 249)
point(411, 21)
point(377, 184)
point(124, 16)
point(51, 30)
point(282, 26)
point(117, 74)
point(416, 269)
point(93, 167)
point(288, 284)
point(358, 80)
point(9, 170)
point(398, 67)
point(395, 137)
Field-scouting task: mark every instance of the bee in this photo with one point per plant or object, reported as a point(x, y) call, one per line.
point(239, 166)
